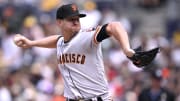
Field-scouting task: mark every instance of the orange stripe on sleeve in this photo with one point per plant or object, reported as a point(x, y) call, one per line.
point(96, 33)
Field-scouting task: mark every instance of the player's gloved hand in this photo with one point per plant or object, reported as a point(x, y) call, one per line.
point(143, 58)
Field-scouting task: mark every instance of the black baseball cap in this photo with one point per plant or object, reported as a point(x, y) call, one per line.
point(68, 10)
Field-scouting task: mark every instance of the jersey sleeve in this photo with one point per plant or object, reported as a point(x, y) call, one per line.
point(60, 40)
point(96, 34)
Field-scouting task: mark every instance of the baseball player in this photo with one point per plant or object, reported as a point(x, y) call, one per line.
point(79, 54)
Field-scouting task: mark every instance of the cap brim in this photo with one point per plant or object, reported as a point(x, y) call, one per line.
point(82, 15)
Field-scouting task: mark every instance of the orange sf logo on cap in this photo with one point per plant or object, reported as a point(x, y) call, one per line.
point(74, 7)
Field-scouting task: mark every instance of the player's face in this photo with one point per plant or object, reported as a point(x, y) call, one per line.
point(72, 24)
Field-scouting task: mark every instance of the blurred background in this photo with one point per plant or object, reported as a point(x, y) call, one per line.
point(32, 74)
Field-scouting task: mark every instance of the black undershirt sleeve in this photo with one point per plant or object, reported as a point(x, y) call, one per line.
point(102, 34)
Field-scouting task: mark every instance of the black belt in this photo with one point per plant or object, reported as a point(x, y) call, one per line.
point(98, 99)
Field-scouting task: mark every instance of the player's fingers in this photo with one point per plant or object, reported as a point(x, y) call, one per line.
point(25, 46)
point(19, 43)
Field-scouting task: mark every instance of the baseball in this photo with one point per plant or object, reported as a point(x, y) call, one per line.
point(17, 39)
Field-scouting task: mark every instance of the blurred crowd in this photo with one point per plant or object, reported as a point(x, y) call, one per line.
point(32, 74)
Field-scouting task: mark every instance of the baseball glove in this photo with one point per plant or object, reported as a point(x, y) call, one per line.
point(143, 58)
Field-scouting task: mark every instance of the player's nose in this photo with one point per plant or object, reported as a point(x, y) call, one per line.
point(76, 22)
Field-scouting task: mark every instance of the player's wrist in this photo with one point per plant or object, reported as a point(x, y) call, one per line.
point(33, 43)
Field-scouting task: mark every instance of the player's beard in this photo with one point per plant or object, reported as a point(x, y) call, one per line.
point(71, 31)
point(74, 33)
point(75, 29)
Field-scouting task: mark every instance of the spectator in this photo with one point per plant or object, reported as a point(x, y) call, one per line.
point(155, 92)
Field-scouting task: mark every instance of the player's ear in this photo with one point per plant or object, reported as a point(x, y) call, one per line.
point(58, 21)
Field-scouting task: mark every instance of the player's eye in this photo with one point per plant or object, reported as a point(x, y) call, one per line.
point(73, 19)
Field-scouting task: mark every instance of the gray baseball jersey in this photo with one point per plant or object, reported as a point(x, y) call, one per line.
point(80, 62)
